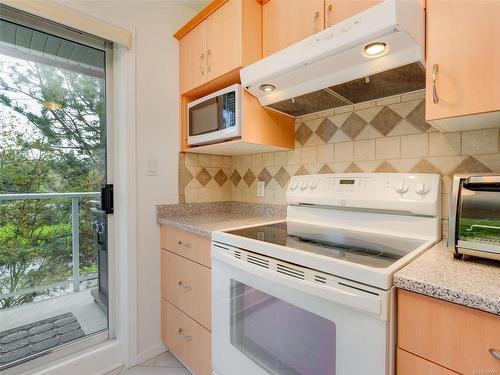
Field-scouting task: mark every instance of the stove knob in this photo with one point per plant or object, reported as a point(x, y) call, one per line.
point(304, 185)
point(422, 188)
point(293, 186)
point(313, 186)
point(401, 187)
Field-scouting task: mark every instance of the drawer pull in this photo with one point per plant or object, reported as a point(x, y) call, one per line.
point(180, 284)
point(187, 245)
point(495, 353)
point(181, 333)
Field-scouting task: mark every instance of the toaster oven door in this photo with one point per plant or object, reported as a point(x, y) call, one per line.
point(478, 226)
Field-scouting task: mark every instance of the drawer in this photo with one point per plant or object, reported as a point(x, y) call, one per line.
point(186, 285)
point(453, 336)
point(409, 364)
point(186, 339)
point(187, 244)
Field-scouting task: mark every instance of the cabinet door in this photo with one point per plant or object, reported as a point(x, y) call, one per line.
point(224, 35)
point(285, 22)
point(462, 50)
point(339, 10)
point(192, 58)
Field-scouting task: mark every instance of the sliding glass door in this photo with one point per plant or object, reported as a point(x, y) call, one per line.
point(53, 231)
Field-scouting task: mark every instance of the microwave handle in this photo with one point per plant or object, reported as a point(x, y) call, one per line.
point(364, 302)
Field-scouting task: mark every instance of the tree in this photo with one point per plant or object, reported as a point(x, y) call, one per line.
point(52, 139)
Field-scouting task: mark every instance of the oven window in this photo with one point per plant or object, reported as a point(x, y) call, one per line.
point(204, 119)
point(278, 336)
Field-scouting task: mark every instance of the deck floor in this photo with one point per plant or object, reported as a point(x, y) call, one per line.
point(91, 317)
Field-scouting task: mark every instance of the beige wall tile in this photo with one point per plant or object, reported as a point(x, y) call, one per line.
point(480, 142)
point(365, 105)
point(389, 100)
point(413, 96)
point(257, 160)
point(227, 161)
point(216, 161)
point(344, 151)
point(293, 157)
point(345, 109)
point(204, 160)
point(364, 150)
point(308, 155)
point(268, 159)
point(191, 159)
point(387, 148)
point(325, 153)
point(447, 144)
point(247, 161)
point(414, 145)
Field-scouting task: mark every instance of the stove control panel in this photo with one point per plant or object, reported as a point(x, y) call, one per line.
point(415, 193)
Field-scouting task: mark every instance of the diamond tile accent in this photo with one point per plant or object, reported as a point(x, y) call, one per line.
point(235, 178)
point(385, 120)
point(303, 133)
point(325, 169)
point(470, 164)
point(203, 177)
point(353, 168)
point(220, 177)
point(265, 176)
point(353, 125)
point(423, 166)
point(302, 171)
point(385, 167)
point(249, 177)
point(326, 130)
point(185, 176)
point(282, 177)
point(417, 117)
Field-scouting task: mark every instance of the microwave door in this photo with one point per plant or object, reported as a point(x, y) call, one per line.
point(205, 117)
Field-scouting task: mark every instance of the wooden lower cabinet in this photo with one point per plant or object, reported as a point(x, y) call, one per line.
point(451, 336)
point(409, 364)
point(188, 340)
point(185, 297)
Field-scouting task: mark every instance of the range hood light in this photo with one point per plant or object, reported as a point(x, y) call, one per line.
point(266, 87)
point(375, 49)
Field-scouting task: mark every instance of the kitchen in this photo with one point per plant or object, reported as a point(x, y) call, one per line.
point(320, 195)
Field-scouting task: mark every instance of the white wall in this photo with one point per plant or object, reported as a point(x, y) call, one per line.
point(156, 129)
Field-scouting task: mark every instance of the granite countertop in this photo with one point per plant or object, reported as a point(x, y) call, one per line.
point(205, 218)
point(472, 282)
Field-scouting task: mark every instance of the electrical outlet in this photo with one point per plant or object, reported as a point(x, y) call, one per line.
point(261, 185)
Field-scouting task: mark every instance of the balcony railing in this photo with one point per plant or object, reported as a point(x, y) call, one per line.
point(76, 278)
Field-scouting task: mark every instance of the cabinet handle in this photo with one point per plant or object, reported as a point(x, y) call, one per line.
point(181, 333)
point(495, 353)
point(209, 69)
point(180, 284)
point(184, 244)
point(329, 15)
point(435, 71)
point(202, 64)
point(316, 21)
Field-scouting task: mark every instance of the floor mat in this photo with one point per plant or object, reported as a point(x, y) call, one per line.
point(29, 339)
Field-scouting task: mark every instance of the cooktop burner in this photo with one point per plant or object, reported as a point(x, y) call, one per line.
point(370, 249)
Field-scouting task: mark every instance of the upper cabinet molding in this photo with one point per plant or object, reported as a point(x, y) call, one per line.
point(69, 17)
point(199, 18)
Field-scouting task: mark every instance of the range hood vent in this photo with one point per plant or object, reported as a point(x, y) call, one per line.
point(406, 78)
point(331, 69)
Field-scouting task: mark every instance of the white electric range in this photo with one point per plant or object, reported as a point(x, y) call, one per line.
point(313, 295)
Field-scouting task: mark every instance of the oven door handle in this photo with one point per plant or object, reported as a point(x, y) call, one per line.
point(356, 298)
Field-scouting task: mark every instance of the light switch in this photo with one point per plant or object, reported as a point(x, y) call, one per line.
point(261, 185)
point(152, 167)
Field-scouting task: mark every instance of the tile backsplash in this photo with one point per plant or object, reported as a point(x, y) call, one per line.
point(387, 135)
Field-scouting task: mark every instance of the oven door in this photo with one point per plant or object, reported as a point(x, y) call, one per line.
point(215, 117)
point(266, 322)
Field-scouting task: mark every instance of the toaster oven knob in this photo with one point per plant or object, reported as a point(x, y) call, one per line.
point(401, 187)
point(422, 188)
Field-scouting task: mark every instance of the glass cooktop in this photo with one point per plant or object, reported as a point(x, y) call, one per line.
point(369, 249)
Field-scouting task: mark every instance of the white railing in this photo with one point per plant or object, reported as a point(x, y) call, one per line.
point(75, 234)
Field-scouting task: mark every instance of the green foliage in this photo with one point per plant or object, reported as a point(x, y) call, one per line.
point(44, 149)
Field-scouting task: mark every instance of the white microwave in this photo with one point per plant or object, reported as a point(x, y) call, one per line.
point(215, 117)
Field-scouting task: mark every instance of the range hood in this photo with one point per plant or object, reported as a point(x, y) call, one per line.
point(332, 68)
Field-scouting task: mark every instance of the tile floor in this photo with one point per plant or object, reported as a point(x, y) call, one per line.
point(164, 364)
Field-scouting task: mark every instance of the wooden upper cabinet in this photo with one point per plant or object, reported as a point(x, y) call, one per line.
point(229, 38)
point(192, 57)
point(462, 52)
point(339, 10)
point(285, 22)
